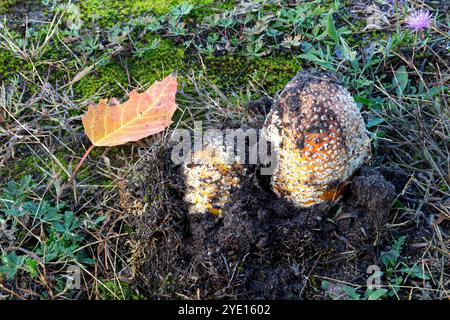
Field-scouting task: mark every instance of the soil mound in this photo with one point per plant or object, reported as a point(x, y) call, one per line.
point(261, 247)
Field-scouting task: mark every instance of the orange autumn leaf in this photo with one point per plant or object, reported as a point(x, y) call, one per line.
point(143, 114)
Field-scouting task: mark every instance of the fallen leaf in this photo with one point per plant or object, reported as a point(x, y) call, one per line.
point(143, 114)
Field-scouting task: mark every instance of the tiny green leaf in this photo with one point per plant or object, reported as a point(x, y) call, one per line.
point(331, 28)
point(377, 294)
point(374, 122)
point(10, 264)
point(400, 80)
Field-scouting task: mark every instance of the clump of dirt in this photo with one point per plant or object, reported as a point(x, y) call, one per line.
point(261, 247)
point(22, 10)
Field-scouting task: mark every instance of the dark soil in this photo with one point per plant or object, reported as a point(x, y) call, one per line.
point(261, 247)
point(25, 10)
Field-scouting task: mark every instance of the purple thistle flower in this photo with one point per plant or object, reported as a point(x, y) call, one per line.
point(419, 20)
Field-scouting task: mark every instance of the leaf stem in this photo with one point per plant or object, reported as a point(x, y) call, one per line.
point(81, 162)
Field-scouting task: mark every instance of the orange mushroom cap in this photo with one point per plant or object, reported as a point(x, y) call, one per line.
point(321, 138)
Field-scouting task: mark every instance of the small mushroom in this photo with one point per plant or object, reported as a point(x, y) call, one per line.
point(320, 136)
point(210, 175)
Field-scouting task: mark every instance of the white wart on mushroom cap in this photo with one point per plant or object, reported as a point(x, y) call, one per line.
point(210, 177)
point(321, 138)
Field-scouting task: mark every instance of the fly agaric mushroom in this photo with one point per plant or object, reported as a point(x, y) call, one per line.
point(321, 139)
point(210, 176)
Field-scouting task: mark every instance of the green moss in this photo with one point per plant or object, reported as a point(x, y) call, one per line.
point(114, 289)
point(218, 7)
point(271, 73)
point(227, 4)
point(111, 80)
point(31, 164)
point(26, 165)
point(157, 64)
point(105, 81)
point(9, 64)
point(109, 12)
point(443, 187)
point(5, 4)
